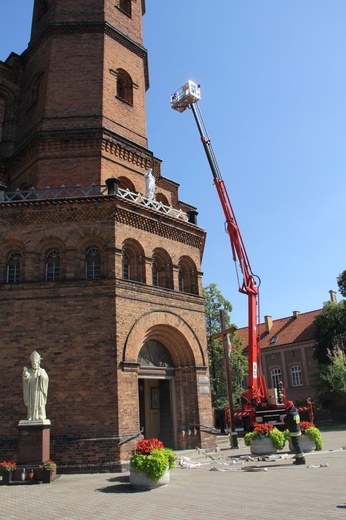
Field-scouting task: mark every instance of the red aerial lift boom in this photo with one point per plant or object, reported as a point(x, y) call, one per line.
point(256, 407)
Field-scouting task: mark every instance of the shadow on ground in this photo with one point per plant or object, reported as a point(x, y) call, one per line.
point(121, 485)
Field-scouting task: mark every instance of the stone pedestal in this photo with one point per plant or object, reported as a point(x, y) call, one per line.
point(33, 442)
point(33, 452)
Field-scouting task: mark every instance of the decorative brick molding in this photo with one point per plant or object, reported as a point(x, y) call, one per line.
point(169, 328)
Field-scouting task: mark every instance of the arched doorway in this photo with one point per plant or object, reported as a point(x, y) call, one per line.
point(156, 390)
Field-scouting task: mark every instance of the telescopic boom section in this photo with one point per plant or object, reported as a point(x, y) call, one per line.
point(188, 97)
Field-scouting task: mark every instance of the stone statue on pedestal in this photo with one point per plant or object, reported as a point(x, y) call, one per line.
point(35, 388)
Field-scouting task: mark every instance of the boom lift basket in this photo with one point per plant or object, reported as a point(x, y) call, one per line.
point(185, 96)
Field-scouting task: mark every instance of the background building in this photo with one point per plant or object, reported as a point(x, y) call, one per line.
point(287, 347)
point(103, 280)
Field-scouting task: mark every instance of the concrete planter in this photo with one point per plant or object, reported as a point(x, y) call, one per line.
point(262, 447)
point(139, 480)
point(306, 444)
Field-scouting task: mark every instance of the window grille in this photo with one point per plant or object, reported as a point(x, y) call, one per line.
point(126, 266)
point(53, 266)
point(93, 264)
point(275, 377)
point(296, 376)
point(13, 268)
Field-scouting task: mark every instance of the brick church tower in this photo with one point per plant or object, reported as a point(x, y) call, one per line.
point(100, 262)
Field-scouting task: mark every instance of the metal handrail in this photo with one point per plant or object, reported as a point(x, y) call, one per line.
point(78, 191)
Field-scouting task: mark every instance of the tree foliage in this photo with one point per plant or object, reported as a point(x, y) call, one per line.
point(330, 352)
point(341, 280)
point(330, 330)
point(332, 385)
point(214, 302)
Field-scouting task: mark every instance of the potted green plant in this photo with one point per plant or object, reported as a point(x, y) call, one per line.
point(6, 469)
point(150, 464)
point(265, 439)
point(48, 471)
point(311, 438)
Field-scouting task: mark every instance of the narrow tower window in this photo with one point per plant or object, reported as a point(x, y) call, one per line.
point(124, 86)
point(92, 264)
point(181, 280)
point(53, 266)
point(125, 6)
point(13, 268)
point(34, 92)
point(188, 281)
point(126, 266)
point(133, 261)
point(155, 273)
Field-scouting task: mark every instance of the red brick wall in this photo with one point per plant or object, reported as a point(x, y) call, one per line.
point(83, 328)
point(59, 137)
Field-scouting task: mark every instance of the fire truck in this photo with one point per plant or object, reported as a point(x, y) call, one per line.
point(258, 403)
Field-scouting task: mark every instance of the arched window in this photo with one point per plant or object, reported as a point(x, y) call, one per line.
point(34, 91)
point(181, 280)
point(125, 6)
point(124, 90)
point(126, 184)
point(52, 265)
point(13, 268)
point(154, 354)
point(163, 269)
point(162, 198)
point(188, 281)
point(92, 264)
point(154, 273)
point(275, 375)
point(296, 375)
point(126, 266)
point(133, 261)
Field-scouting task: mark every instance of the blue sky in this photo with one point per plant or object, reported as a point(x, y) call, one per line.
point(273, 81)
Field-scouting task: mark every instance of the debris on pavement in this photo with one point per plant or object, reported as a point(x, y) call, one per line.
point(325, 465)
point(185, 462)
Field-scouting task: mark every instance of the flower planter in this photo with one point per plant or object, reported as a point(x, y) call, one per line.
point(47, 476)
point(306, 444)
point(139, 480)
point(7, 477)
point(262, 447)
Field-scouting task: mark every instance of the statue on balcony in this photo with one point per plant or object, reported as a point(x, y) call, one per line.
point(149, 183)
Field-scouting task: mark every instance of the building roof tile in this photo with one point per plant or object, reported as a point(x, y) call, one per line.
point(293, 329)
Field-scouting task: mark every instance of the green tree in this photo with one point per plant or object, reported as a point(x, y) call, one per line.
point(214, 302)
point(341, 279)
point(330, 331)
point(330, 352)
point(332, 385)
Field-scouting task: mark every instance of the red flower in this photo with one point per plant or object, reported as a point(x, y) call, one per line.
point(7, 465)
point(263, 428)
point(304, 425)
point(146, 446)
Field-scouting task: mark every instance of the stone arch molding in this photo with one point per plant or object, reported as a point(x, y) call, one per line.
point(172, 331)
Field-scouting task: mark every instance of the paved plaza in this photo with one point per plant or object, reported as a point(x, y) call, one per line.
point(224, 485)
